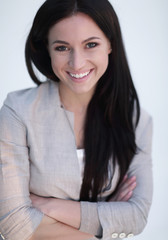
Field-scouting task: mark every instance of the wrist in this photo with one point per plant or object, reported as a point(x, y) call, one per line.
point(65, 211)
point(52, 208)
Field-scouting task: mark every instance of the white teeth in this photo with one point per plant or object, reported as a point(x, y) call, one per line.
point(81, 75)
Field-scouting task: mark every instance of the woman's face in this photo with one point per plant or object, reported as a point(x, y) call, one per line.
point(79, 53)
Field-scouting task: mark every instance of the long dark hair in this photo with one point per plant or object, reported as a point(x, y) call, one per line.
point(109, 131)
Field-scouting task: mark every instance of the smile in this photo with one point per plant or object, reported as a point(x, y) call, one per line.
point(81, 75)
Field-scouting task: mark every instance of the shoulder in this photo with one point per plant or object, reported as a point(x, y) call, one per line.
point(145, 119)
point(144, 129)
point(34, 98)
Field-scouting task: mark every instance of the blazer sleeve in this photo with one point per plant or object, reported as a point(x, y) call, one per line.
point(18, 219)
point(125, 219)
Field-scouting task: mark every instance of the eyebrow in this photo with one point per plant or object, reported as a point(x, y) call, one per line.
point(63, 42)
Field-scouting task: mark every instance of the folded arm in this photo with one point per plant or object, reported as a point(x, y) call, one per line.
point(126, 214)
point(54, 230)
point(69, 212)
point(18, 218)
point(127, 218)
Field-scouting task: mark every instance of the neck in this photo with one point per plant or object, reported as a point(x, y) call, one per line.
point(74, 102)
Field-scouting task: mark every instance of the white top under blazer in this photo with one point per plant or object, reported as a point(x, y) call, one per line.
point(38, 154)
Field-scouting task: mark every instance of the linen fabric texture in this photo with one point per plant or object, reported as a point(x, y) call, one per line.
point(38, 155)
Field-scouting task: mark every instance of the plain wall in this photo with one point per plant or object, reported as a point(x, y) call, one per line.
point(145, 31)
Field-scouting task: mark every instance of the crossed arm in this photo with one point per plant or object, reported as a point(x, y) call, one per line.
point(62, 217)
point(18, 219)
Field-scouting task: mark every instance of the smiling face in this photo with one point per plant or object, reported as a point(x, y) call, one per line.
point(79, 53)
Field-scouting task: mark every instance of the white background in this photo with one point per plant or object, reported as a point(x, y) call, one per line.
point(144, 25)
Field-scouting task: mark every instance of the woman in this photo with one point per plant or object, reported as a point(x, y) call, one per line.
point(75, 150)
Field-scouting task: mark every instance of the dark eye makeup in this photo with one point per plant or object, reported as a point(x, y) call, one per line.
point(91, 44)
point(61, 48)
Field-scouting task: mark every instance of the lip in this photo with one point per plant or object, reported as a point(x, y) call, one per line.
point(80, 80)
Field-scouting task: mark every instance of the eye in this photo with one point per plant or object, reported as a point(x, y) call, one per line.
point(91, 45)
point(61, 48)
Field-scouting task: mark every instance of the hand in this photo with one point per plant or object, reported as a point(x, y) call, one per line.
point(41, 203)
point(65, 211)
point(125, 189)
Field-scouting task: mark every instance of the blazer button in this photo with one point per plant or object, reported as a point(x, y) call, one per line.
point(122, 235)
point(130, 235)
point(1, 236)
point(114, 235)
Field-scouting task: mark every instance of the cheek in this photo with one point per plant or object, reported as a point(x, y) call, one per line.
point(56, 63)
point(102, 62)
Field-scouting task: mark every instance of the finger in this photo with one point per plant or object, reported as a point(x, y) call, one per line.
point(125, 191)
point(129, 181)
point(129, 188)
point(124, 180)
point(127, 196)
point(126, 186)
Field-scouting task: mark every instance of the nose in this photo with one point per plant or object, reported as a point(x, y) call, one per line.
point(77, 59)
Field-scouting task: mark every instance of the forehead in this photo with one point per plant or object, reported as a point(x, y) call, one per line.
point(78, 26)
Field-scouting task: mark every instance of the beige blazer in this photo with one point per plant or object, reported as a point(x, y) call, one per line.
point(38, 155)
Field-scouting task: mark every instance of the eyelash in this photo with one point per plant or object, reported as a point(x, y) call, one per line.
point(91, 45)
point(88, 46)
point(61, 48)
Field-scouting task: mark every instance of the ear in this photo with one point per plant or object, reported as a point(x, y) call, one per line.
point(109, 47)
point(110, 50)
